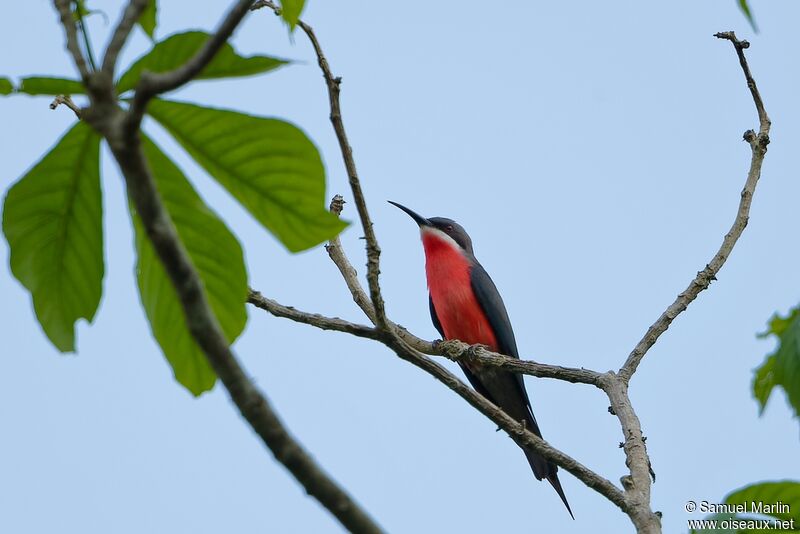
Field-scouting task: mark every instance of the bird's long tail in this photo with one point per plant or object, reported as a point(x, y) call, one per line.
point(544, 469)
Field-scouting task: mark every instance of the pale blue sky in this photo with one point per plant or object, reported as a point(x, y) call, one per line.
point(592, 149)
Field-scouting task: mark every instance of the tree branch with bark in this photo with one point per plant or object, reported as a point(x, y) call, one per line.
point(635, 501)
point(121, 129)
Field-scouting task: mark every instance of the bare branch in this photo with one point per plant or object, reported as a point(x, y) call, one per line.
point(758, 144)
point(517, 431)
point(457, 350)
point(373, 250)
point(320, 321)
point(67, 101)
point(339, 258)
point(151, 84)
point(741, 46)
point(129, 17)
point(258, 4)
point(452, 349)
point(71, 32)
point(637, 484)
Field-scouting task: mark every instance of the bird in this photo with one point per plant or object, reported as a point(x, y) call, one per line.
point(466, 305)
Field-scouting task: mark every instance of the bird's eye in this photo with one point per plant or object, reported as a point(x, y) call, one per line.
point(449, 228)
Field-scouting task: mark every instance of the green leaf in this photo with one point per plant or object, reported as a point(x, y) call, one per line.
point(291, 11)
point(269, 165)
point(745, 8)
point(52, 219)
point(219, 261)
point(6, 87)
point(782, 368)
point(764, 382)
point(79, 9)
point(177, 49)
point(148, 19)
point(47, 85)
point(768, 493)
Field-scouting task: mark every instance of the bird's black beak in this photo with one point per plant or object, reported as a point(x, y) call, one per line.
point(422, 221)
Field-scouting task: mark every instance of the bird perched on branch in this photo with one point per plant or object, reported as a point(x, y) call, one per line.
point(466, 305)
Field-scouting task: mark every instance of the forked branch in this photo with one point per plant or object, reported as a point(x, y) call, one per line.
point(758, 145)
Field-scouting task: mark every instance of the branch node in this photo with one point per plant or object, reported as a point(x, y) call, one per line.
point(337, 204)
point(67, 101)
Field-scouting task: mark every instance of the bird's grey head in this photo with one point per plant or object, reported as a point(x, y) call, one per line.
point(444, 227)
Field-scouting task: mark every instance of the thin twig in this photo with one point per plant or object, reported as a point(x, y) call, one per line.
point(320, 321)
point(151, 84)
point(68, 22)
point(67, 101)
point(373, 250)
point(740, 47)
point(123, 29)
point(349, 273)
point(459, 351)
point(758, 145)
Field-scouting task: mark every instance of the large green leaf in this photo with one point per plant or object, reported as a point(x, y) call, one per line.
point(216, 255)
point(177, 49)
point(782, 368)
point(6, 87)
point(291, 11)
point(48, 85)
point(52, 219)
point(269, 165)
point(148, 20)
point(767, 493)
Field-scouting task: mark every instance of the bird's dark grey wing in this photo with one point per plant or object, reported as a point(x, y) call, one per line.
point(476, 383)
point(494, 308)
point(435, 318)
point(492, 304)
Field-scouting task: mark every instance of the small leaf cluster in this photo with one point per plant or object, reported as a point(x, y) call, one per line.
point(781, 368)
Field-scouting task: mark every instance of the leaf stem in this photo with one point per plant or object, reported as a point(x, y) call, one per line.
point(87, 44)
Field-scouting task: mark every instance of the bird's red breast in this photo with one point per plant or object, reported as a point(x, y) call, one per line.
point(448, 273)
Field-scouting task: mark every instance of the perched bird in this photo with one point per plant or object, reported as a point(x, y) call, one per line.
point(466, 305)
